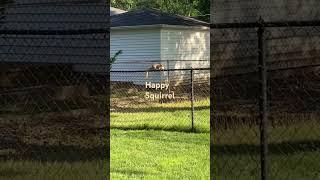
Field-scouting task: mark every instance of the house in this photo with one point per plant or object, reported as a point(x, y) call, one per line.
point(144, 36)
point(149, 37)
point(116, 11)
point(84, 52)
point(55, 58)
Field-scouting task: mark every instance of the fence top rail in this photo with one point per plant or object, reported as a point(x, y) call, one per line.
point(261, 23)
point(165, 70)
point(143, 61)
point(54, 32)
point(268, 70)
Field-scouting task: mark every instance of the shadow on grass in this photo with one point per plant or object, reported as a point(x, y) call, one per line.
point(159, 109)
point(161, 128)
point(11, 173)
point(58, 153)
point(132, 172)
point(273, 148)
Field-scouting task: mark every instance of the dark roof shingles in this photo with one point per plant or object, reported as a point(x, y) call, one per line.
point(152, 17)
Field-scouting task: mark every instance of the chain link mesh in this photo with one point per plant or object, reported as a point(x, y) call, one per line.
point(291, 55)
point(53, 90)
point(293, 58)
point(181, 105)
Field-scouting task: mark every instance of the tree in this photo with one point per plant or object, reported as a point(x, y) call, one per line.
point(193, 8)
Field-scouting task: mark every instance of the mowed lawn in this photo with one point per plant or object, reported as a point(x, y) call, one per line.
point(151, 142)
point(138, 154)
point(154, 154)
point(153, 138)
point(294, 152)
point(175, 116)
point(150, 154)
point(43, 170)
point(154, 141)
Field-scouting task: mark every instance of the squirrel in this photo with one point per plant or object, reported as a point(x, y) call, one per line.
point(158, 67)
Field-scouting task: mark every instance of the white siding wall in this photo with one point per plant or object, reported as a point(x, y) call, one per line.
point(144, 47)
point(184, 49)
point(139, 46)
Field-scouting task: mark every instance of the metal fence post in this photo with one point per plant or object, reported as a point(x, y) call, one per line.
point(263, 112)
point(168, 74)
point(192, 100)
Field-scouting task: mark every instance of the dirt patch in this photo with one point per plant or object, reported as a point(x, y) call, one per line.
point(78, 127)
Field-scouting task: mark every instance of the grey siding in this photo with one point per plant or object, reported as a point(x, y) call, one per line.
point(141, 49)
point(55, 15)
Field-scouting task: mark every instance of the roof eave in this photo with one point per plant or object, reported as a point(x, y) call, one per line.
point(160, 26)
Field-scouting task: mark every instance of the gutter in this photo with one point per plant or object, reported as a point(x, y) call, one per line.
point(159, 26)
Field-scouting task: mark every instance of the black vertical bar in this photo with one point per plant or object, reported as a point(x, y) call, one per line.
point(213, 109)
point(192, 100)
point(263, 113)
point(106, 133)
point(168, 74)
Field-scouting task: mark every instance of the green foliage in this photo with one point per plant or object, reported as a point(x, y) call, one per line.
point(114, 58)
point(192, 8)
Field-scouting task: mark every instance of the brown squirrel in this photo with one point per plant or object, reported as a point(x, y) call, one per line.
point(158, 67)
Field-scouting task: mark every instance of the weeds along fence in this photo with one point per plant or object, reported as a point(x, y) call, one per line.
point(265, 114)
point(168, 99)
point(54, 91)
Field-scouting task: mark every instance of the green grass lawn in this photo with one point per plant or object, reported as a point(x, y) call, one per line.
point(154, 141)
point(137, 154)
point(168, 116)
point(294, 152)
point(37, 170)
point(293, 148)
point(151, 142)
point(149, 154)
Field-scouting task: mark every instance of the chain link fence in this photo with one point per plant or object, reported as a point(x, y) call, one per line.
point(265, 94)
point(54, 90)
point(167, 99)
